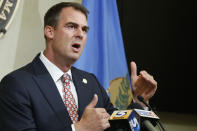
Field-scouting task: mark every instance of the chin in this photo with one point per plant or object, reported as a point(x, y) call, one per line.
point(76, 56)
point(74, 59)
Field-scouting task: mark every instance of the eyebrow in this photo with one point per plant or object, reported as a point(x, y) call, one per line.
point(75, 24)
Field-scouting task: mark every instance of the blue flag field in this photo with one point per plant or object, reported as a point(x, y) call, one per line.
point(104, 53)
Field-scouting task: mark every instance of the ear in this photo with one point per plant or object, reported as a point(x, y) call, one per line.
point(49, 32)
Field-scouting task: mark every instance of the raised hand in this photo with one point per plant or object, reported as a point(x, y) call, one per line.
point(143, 84)
point(93, 119)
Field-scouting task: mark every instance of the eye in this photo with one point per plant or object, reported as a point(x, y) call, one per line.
point(71, 26)
point(85, 29)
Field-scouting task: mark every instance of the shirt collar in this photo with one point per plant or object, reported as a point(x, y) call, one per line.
point(55, 72)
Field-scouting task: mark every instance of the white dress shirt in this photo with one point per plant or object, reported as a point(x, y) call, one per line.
point(56, 74)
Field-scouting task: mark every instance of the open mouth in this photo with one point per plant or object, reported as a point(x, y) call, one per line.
point(76, 47)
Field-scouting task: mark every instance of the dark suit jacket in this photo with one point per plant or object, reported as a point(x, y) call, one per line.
point(29, 99)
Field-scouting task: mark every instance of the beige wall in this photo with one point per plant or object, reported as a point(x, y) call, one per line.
point(8, 43)
point(24, 39)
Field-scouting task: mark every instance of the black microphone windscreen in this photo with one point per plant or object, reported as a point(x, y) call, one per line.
point(140, 98)
point(135, 105)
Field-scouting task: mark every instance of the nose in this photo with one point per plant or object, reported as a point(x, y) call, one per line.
point(79, 34)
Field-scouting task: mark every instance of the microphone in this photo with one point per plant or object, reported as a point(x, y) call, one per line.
point(134, 105)
point(124, 120)
point(141, 99)
point(132, 120)
point(146, 118)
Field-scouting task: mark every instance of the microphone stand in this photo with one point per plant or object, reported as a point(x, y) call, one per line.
point(148, 125)
point(141, 99)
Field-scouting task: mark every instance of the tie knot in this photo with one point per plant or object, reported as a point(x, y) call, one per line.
point(66, 78)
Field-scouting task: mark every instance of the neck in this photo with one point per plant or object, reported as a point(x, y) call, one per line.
point(61, 64)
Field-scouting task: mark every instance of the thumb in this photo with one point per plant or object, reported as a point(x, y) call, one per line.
point(133, 70)
point(94, 101)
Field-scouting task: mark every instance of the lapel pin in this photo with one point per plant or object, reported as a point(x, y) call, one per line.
point(84, 81)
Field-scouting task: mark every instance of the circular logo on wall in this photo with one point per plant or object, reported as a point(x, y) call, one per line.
point(7, 11)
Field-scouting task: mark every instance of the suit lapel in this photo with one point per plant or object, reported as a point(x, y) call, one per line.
point(50, 91)
point(83, 90)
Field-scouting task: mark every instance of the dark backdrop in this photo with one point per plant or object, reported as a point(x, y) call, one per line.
point(160, 36)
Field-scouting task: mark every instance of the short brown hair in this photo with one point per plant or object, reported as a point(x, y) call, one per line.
point(52, 15)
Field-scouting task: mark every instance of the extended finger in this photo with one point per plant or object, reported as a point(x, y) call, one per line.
point(94, 101)
point(133, 69)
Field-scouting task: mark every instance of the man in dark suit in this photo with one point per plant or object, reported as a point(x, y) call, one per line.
point(49, 94)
